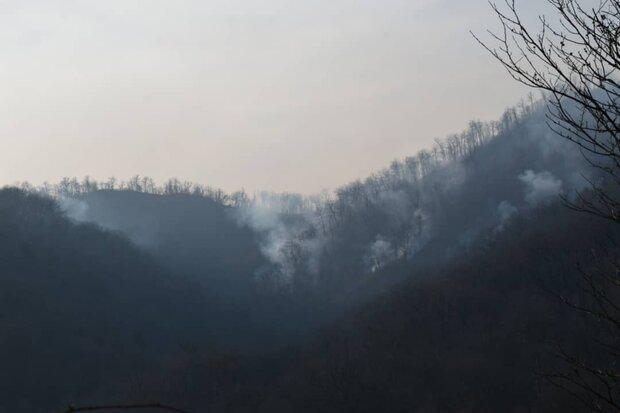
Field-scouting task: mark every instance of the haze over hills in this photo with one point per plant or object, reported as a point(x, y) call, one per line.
point(260, 207)
point(431, 285)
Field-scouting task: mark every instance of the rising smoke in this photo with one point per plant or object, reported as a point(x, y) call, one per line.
point(540, 186)
point(464, 186)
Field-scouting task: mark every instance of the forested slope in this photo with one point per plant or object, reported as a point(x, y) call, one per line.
point(433, 285)
point(83, 310)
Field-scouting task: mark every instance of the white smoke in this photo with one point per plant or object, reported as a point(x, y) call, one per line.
point(287, 230)
point(380, 253)
point(263, 216)
point(505, 210)
point(540, 186)
point(74, 209)
point(414, 234)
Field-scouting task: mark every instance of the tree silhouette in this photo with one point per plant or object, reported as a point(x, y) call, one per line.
point(574, 58)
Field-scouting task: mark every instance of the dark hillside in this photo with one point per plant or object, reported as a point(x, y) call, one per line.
point(429, 286)
point(477, 333)
point(83, 310)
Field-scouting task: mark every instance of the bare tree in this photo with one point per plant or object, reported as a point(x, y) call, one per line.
point(594, 378)
point(574, 58)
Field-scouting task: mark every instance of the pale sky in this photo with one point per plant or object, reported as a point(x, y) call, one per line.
point(283, 95)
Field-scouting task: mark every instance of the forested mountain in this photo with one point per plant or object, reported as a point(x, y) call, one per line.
point(436, 284)
point(425, 207)
point(479, 332)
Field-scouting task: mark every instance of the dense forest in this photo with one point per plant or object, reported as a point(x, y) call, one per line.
point(442, 283)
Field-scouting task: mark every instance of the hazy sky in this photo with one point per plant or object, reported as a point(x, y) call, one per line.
point(260, 94)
